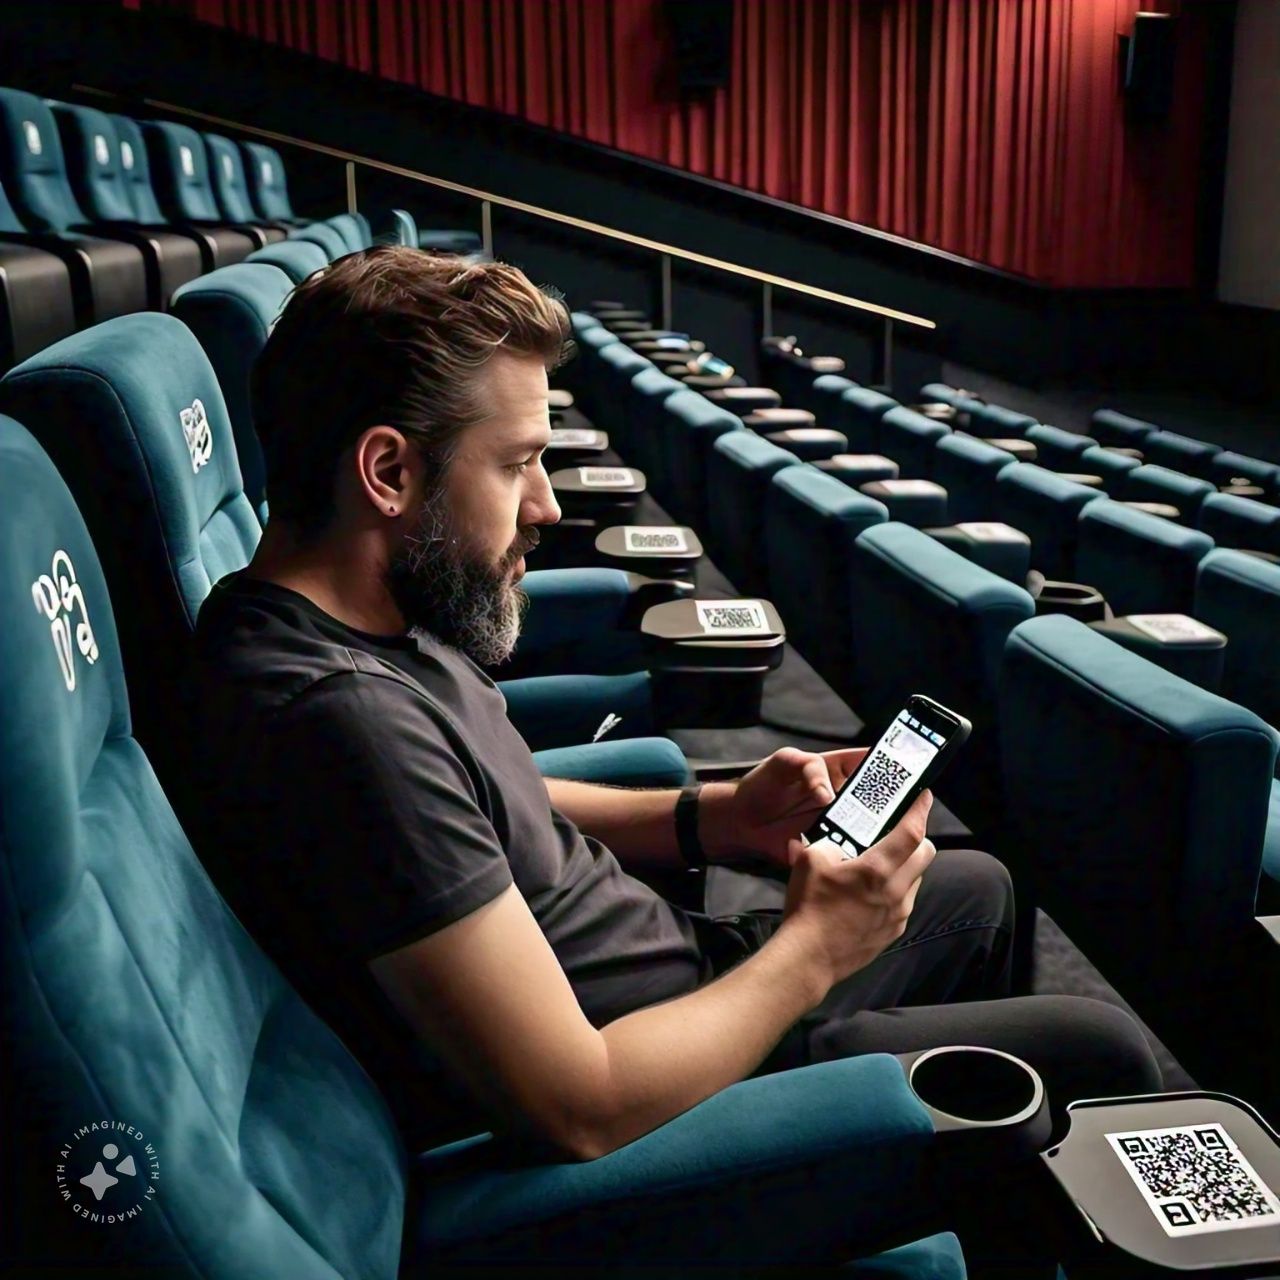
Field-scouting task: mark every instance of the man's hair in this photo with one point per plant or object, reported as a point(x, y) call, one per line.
point(392, 336)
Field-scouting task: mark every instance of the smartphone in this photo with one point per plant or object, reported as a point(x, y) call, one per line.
point(913, 750)
point(708, 363)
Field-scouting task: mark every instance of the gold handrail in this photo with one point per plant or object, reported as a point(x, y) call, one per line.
point(581, 224)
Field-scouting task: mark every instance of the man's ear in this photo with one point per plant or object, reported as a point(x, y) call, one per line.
point(386, 468)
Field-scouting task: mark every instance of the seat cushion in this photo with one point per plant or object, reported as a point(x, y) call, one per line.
point(1109, 427)
point(1242, 523)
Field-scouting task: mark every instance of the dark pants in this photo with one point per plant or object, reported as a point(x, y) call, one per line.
point(946, 981)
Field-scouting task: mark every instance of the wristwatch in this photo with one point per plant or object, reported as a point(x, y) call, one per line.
point(687, 826)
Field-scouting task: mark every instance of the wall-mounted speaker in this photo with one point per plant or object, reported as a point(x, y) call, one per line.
point(702, 34)
point(1148, 65)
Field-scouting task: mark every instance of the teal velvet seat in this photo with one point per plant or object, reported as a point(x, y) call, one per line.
point(231, 188)
point(132, 414)
point(353, 230)
point(1181, 453)
point(858, 414)
point(268, 183)
point(967, 469)
point(296, 258)
point(1141, 563)
point(1242, 523)
point(642, 408)
point(811, 524)
point(740, 468)
point(231, 311)
point(927, 620)
point(1057, 449)
point(1151, 483)
point(1114, 468)
point(323, 235)
point(1119, 429)
point(1135, 796)
point(994, 421)
point(1045, 507)
point(691, 425)
point(1228, 467)
point(909, 438)
point(130, 994)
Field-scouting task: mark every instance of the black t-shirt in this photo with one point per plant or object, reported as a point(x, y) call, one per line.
point(360, 792)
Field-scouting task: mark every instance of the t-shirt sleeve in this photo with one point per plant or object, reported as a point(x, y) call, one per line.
point(390, 834)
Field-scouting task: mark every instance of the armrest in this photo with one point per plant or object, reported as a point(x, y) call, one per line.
point(572, 603)
point(802, 1163)
point(633, 762)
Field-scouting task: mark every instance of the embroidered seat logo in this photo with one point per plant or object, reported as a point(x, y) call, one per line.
point(195, 426)
point(59, 597)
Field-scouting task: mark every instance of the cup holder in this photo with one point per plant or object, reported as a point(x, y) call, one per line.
point(1076, 599)
point(976, 1087)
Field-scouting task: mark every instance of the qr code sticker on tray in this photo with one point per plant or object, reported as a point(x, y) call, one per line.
point(1195, 1179)
point(639, 538)
point(606, 477)
point(880, 782)
point(731, 615)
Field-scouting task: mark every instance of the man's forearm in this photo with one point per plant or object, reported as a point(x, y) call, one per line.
point(667, 1058)
point(638, 826)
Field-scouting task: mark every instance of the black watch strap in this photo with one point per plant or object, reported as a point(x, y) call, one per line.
point(687, 826)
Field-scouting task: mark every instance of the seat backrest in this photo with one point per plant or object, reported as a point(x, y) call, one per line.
point(939, 393)
point(92, 152)
point(811, 523)
point(740, 465)
point(1136, 796)
point(691, 425)
point(1239, 594)
point(1181, 453)
point(909, 438)
point(230, 185)
point(296, 258)
point(1057, 449)
point(928, 620)
point(1150, 483)
point(9, 220)
point(131, 413)
point(136, 169)
point(1141, 563)
point(642, 407)
point(1228, 466)
point(1045, 507)
point(1232, 521)
point(232, 311)
point(858, 417)
point(140, 1021)
point(996, 422)
point(1114, 468)
point(32, 166)
point(325, 236)
point(967, 469)
point(406, 228)
point(180, 172)
point(268, 184)
point(1119, 429)
point(351, 229)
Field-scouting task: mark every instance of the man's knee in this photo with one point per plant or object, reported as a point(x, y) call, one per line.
point(1101, 1041)
point(974, 886)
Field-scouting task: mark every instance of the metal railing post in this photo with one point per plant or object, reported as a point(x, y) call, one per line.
point(486, 226)
point(352, 207)
point(666, 291)
point(886, 374)
point(766, 309)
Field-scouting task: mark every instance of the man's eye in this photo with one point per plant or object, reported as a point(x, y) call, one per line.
point(519, 467)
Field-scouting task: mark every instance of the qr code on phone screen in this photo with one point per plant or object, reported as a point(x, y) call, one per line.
point(880, 782)
point(1196, 1179)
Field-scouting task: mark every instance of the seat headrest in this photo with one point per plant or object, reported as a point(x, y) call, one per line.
point(180, 165)
point(136, 171)
point(132, 414)
point(32, 164)
point(229, 181)
point(92, 149)
point(265, 172)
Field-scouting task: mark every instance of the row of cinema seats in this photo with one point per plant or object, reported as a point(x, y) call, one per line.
point(122, 501)
point(1081, 732)
point(102, 215)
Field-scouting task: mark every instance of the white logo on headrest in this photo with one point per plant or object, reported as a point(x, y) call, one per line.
point(195, 426)
point(268, 173)
point(188, 161)
point(228, 168)
point(58, 596)
point(126, 155)
point(100, 152)
point(34, 144)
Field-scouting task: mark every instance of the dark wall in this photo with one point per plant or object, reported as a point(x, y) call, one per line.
point(987, 319)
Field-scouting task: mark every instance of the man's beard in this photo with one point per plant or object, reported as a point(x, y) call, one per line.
point(442, 587)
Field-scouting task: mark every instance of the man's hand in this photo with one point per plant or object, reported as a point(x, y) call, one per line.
point(772, 804)
point(847, 910)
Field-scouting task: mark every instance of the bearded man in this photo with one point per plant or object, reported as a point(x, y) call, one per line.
point(473, 931)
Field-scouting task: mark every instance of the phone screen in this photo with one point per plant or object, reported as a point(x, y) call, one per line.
point(871, 797)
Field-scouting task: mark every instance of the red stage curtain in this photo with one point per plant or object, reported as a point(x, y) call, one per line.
point(995, 129)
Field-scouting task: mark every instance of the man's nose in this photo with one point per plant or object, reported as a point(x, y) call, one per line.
point(542, 507)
